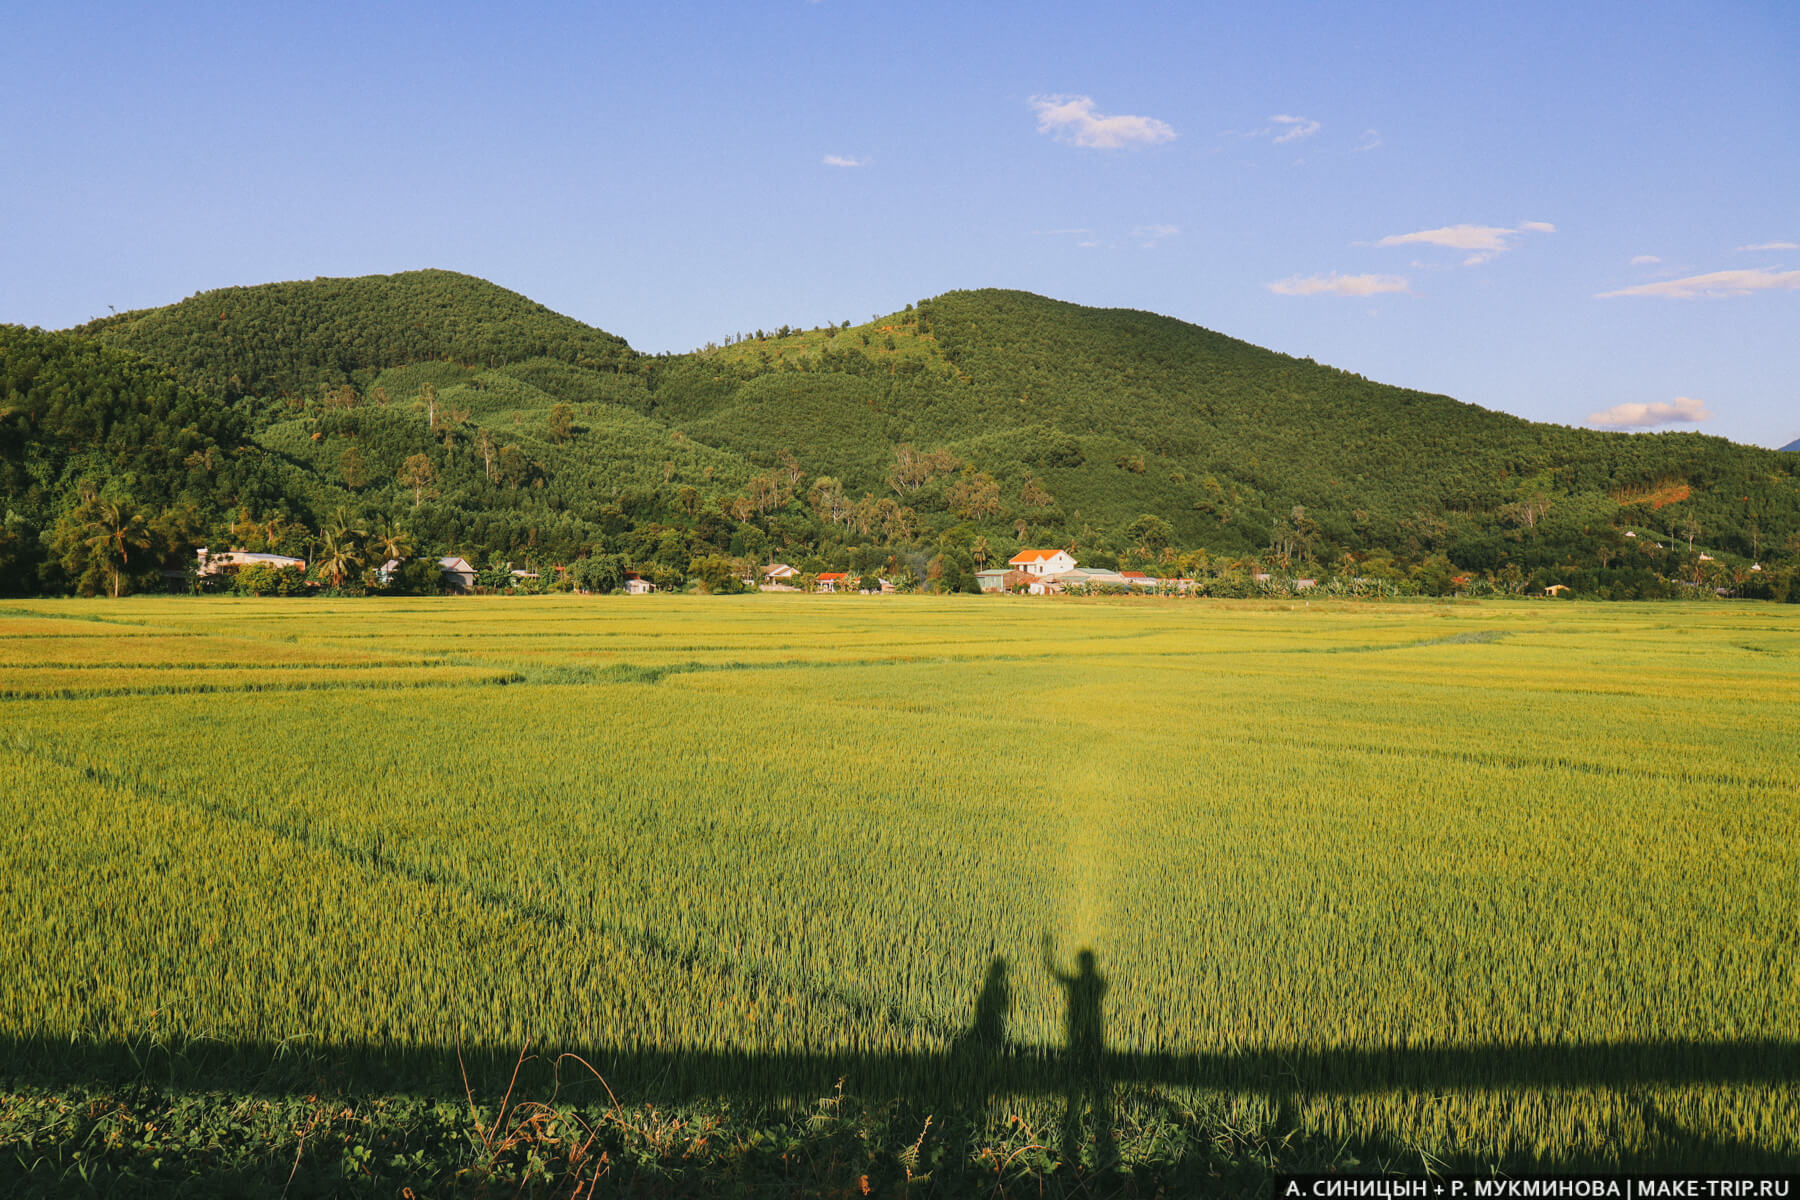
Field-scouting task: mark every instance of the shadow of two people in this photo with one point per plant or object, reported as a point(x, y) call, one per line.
point(1086, 1083)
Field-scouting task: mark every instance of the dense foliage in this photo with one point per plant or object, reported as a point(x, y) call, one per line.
point(286, 339)
point(920, 447)
point(90, 436)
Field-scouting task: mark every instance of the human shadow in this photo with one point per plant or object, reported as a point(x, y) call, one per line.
point(1087, 1084)
point(914, 1113)
point(992, 1009)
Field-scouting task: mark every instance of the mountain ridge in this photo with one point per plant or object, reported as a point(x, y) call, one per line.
point(956, 430)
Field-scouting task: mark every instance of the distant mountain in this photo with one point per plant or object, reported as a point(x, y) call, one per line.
point(956, 430)
point(1793, 445)
point(290, 339)
point(1116, 413)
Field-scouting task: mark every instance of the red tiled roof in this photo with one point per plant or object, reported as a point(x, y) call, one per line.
point(1031, 556)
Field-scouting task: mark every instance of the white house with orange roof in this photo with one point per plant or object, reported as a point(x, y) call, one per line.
point(1042, 562)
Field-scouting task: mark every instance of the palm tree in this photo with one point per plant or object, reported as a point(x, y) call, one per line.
point(347, 526)
point(111, 534)
point(273, 528)
point(338, 556)
point(391, 541)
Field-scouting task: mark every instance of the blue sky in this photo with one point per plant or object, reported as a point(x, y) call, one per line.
point(1581, 213)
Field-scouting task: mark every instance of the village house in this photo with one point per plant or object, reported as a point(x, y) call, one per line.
point(779, 577)
point(835, 581)
point(1042, 562)
point(227, 561)
point(637, 585)
point(454, 573)
point(1092, 577)
point(457, 574)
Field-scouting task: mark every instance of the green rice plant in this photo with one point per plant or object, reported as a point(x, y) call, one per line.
point(1490, 883)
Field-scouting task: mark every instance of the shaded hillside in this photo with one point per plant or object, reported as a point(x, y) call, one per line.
point(1793, 446)
point(926, 443)
point(82, 425)
point(289, 339)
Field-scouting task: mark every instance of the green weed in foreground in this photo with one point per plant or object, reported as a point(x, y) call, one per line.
point(1508, 884)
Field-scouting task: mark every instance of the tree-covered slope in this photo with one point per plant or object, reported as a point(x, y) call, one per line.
point(83, 425)
point(290, 338)
point(1114, 413)
point(953, 433)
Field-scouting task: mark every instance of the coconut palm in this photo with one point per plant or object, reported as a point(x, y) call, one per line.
point(341, 548)
point(390, 541)
point(338, 556)
point(111, 534)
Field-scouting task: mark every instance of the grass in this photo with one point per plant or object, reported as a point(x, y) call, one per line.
point(1498, 886)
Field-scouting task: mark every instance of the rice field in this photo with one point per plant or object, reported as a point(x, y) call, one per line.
point(1509, 884)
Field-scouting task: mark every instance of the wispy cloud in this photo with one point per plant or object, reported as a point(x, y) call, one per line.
point(1072, 119)
point(844, 160)
point(1645, 260)
point(1714, 283)
point(1370, 140)
point(1295, 129)
point(1483, 242)
point(1148, 235)
point(1770, 246)
point(1683, 410)
point(1285, 128)
point(1338, 285)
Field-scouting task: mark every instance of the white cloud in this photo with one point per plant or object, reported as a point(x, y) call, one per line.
point(1072, 119)
point(1682, 410)
point(1771, 246)
point(1370, 140)
point(1715, 283)
point(844, 160)
point(1338, 285)
point(1148, 235)
point(1298, 128)
point(1645, 260)
point(1482, 241)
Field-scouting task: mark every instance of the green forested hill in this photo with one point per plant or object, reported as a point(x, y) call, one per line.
point(1114, 414)
point(84, 426)
point(924, 444)
point(288, 339)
